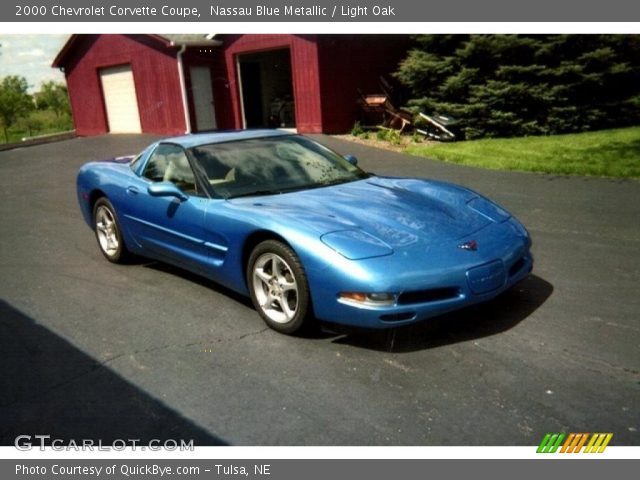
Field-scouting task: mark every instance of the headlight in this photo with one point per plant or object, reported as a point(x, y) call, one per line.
point(356, 244)
point(371, 299)
point(520, 230)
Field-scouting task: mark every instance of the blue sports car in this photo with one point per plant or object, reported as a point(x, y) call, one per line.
point(302, 230)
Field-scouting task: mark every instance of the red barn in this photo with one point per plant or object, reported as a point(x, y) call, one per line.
point(175, 84)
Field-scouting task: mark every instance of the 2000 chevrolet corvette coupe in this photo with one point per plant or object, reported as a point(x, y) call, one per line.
point(303, 231)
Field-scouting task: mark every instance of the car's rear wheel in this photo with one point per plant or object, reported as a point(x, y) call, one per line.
point(278, 287)
point(108, 232)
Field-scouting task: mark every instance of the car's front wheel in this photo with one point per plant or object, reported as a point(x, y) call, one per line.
point(108, 233)
point(278, 287)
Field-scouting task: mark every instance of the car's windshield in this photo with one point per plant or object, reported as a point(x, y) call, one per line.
point(271, 165)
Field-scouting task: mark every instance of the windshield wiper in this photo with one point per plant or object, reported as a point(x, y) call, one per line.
point(255, 193)
point(328, 183)
point(337, 181)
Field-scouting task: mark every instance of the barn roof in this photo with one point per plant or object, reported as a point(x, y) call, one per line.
point(191, 39)
point(168, 40)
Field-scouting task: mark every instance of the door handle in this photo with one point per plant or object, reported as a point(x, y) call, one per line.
point(132, 191)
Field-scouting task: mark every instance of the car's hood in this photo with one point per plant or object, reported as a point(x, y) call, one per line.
point(400, 212)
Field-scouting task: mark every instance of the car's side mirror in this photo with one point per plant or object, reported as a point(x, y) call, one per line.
point(351, 159)
point(166, 189)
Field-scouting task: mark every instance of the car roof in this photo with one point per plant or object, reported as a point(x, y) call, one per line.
point(193, 140)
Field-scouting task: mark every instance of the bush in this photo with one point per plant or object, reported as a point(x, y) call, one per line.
point(357, 129)
point(394, 137)
point(382, 135)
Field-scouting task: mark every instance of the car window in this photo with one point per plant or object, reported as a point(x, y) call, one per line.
point(136, 162)
point(169, 163)
point(270, 165)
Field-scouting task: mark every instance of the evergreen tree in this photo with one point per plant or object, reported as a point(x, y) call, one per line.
point(515, 85)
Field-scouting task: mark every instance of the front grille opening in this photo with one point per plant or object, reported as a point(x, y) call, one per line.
point(397, 317)
point(425, 296)
point(516, 267)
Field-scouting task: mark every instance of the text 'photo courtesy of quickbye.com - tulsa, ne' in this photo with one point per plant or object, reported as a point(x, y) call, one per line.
point(319, 239)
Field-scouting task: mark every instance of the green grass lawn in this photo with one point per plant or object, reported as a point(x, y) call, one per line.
point(612, 153)
point(42, 122)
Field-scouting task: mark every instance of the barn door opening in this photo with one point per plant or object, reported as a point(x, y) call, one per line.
point(266, 89)
point(203, 102)
point(120, 100)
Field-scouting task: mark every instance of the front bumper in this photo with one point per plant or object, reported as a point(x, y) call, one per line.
point(459, 289)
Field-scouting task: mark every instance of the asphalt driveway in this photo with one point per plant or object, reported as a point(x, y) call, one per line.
point(94, 350)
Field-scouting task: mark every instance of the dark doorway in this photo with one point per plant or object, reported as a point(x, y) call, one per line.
point(267, 89)
point(251, 94)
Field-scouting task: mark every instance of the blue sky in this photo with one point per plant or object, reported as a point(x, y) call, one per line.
point(30, 56)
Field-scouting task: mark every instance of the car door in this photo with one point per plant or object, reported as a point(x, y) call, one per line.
point(167, 226)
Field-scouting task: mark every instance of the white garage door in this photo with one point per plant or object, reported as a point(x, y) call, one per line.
point(120, 99)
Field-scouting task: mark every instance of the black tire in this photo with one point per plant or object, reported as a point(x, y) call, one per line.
point(108, 232)
point(278, 288)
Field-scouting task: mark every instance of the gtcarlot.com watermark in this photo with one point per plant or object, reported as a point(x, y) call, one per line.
point(42, 442)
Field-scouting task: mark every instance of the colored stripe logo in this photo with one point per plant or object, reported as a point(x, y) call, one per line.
point(574, 442)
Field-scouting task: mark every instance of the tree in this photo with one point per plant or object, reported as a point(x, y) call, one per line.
point(514, 85)
point(53, 96)
point(15, 102)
